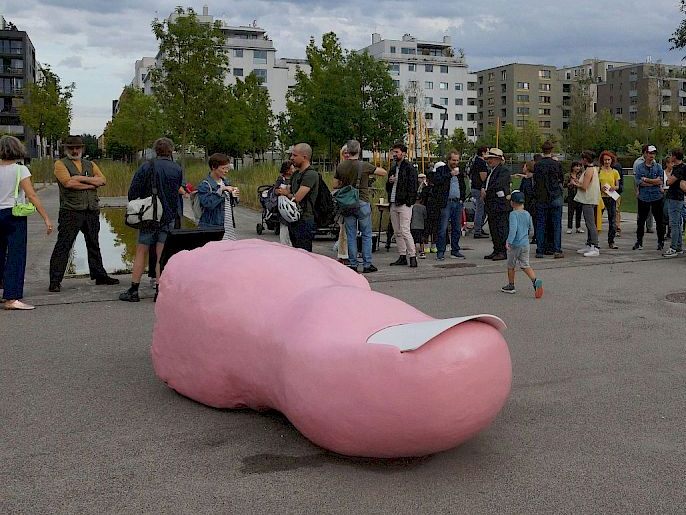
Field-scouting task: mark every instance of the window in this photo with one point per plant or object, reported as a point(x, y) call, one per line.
point(471, 101)
point(522, 98)
point(428, 84)
point(444, 101)
point(544, 87)
point(458, 117)
point(428, 101)
point(503, 114)
point(544, 124)
point(520, 123)
point(408, 51)
point(632, 117)
point(503, 100)
point(491, 76)
point(444, 132)
point(567, 88)
point(392, 50)
point(443, 85)
point(459, 86)
point(491, 101)
point(543, 111)
point(470, 132)
point(618, 110)
point(491, 113)
point(503, 75)
point(259, 56)
point(459, 101)
point(396, 83)
point(523, 110)
point(444, 69)
point(490, 89)
point(238, 52)
point(471, 117)
point(503, 88)
point(443, 116)
point(566, 113)
point(238, 72)
point(412, 67)
point(471, 86)
point(544, 100)
point(543, 74)
point(412, 100)
point(261, 75)
point(412, 83)
point(394, 69)
point(428, 116)
point(522, 85)
point(428, 67)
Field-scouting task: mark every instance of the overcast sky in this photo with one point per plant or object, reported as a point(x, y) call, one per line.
point(95, 43)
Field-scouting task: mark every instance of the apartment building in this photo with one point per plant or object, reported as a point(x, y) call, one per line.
point(431, 73)
point(645, 91)
point(591, 72)
point(517, 93)
point(17, 69)
point(250, 50)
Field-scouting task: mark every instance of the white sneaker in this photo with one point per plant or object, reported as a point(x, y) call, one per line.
point(584, 249)
point(569, 231)
point(594, 252)
point(580, 230)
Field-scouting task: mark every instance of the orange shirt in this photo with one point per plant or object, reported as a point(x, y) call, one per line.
point(62, 174)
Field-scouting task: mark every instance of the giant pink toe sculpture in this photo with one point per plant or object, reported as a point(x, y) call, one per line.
point(257, 324)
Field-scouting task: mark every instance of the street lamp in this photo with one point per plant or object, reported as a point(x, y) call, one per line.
point(444, 117)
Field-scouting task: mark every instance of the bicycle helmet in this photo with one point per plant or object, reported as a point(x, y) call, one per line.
point(288, 209)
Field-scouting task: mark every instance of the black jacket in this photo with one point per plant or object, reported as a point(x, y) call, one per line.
point(479, 165)
point(548, 179)
point(442, 185)
point(408, 183)
point(498, 180)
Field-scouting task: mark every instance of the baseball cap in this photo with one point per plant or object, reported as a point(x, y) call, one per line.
point(517, 196)
point(651, 148)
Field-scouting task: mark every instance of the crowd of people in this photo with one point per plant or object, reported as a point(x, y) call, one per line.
point(426, 210)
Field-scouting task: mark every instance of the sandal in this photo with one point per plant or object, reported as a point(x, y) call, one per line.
point(17, 304)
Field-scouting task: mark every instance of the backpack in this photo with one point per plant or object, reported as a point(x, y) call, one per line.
point(323, 205)
point(196, 205)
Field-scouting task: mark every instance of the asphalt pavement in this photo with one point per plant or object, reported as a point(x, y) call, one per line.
point(594, 424)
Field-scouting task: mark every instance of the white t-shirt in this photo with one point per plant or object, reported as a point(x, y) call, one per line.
point(8, 181)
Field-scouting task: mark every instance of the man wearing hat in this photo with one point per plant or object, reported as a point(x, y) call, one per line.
point(497, 202)
point(649, 179)
point(78, 180)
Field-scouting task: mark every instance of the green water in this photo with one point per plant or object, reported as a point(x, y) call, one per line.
point(117, 244)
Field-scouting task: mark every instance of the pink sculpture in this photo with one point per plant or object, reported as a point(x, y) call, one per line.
point(260, 325)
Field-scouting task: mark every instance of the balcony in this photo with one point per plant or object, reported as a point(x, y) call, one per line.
point(666, 92)
point(11, 51)
point(14, 92)
point(8, 70)
point(633, 93)
point(666, 108)
point(682, 93)
point(682, 109)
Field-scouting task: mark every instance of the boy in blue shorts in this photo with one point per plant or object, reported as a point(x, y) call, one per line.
point(521, 226)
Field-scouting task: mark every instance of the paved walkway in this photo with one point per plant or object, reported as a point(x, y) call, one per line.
point(83, 290)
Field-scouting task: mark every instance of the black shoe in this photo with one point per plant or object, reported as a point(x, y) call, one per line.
point(413, 262)
point(54, 287)
point(539, 255)
point(106, 279)
point(402, 260)
point(157, 292)
point(660, 246)
point(353, 268)
point(637, 246)
point(481, 236)
point(131, 296)
point(549, 253)
point(499, 257)
point(490, 256)
point(370, 269)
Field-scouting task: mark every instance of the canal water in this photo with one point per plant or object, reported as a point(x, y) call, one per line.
point(117, 244)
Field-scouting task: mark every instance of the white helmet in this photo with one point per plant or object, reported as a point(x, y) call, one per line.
point(288, 209)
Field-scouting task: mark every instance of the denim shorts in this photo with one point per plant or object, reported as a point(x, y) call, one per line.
point(146, 237)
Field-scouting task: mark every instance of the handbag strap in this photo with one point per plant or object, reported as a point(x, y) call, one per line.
point(359, 174)
point(16, 187)
point(154, 189)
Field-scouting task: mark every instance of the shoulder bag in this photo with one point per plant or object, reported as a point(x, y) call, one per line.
point(21, 208)
point(145, 213)
point(348, 197)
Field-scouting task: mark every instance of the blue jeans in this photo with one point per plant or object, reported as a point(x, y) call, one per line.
point(544, 210)
point(452, 212)
point(675, 210)
point(479, 211)
point(362, 218)
point(12, 254)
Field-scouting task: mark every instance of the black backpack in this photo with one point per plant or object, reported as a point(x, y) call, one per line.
point(323, 205)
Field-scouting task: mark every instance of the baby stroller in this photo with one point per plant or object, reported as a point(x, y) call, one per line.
point(270, 211)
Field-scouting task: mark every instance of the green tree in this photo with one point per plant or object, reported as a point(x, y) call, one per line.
point(509, 139)
point(255, 107)
point(678, 39)
point(139, 120)
point(91, 143)
point(530, 137)
point(610, 133)
point(191, 75)
point(47, 107)
point(487, 139)
point(579, 135)
point(460, 142)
